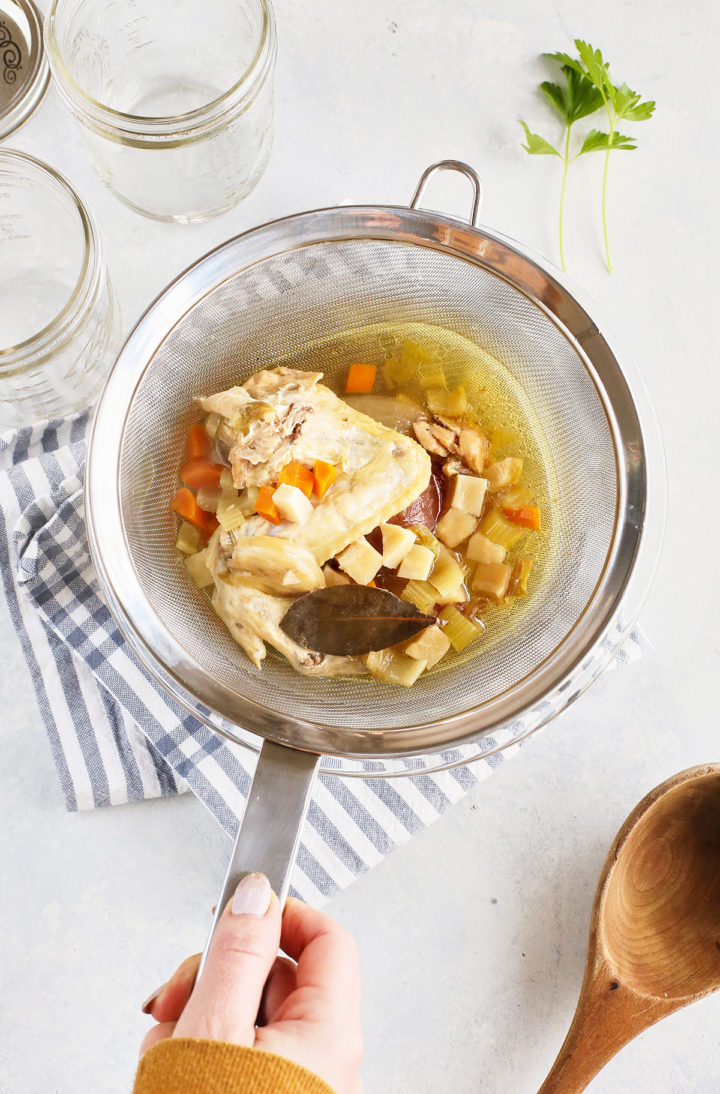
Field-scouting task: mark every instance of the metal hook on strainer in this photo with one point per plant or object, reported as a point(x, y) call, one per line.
point(463, 169)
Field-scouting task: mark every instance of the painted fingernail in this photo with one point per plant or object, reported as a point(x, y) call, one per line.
point(252, 896)
point(145, 1008)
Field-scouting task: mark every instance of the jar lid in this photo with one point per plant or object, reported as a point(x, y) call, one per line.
point(24, 71)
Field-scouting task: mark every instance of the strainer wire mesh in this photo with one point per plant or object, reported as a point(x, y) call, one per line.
point(320, 306)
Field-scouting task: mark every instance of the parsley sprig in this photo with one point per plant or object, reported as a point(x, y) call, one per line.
point(587, 88)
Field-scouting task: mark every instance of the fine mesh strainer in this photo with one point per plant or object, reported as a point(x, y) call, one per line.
point(313, 290)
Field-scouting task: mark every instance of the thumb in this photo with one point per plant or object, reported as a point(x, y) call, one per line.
point(226, 999)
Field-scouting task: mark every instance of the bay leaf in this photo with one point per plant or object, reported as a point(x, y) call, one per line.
point(348, 620)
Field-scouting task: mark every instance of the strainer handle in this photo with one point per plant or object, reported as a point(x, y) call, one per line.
point(269, 832)
point(452, 165)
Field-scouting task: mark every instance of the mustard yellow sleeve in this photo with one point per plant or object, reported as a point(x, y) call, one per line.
point(187, 1065)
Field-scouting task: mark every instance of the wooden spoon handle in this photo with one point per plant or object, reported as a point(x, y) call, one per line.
point(608, 1016)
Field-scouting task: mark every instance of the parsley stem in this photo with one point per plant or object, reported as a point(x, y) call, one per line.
point(566, 164)
point(604, 190)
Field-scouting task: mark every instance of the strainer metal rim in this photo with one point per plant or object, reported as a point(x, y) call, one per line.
point(630, 417)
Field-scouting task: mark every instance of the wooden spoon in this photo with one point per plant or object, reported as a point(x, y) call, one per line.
point(655, 929)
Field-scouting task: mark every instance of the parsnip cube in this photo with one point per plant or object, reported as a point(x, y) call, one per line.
point(397, 542)
point(429, 646)
point(334, 577)
point(190, 539)
point(482, 549)
point(360, 561)
point(446, 574)
point(450, 404)
point(196, 566)
point(292, 503)
point(491, 579)
point(455, 526)
point(417, 564)
point(467, 492)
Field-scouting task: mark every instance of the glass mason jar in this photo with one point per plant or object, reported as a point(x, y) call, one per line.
point(174, 97)
point(59, 322)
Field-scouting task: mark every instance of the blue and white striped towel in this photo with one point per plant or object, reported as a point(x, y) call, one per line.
point(116, 736)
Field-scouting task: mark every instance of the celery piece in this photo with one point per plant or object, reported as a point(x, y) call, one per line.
point(500, 530)
point(501, 438)
point(392, 667)
point(208, 498)
point(427, 539)
point(226, 481)
point(230, 513)
point(519, 577)
point(397, 372)
point(190, 539)
point(431, 375)
point(421, 594)
point(246, 500)
point(196, 566)
point(459, 630)
point(514, 497)
point(412, 357)
point(448, 404)
point(389, 373)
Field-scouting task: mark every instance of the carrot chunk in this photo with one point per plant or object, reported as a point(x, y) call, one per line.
point(198, 443)
point(185, 504)
point(294, 474)
point(266, 507)
point(360, 379)
point(201, 472)
point(324, 475)
point(527, 516)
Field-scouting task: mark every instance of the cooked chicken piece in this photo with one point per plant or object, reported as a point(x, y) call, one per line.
point(453, 466)
point(380, 472)
point(259, 568)
point(262, 418)
point(253, 618)
point(275, 565)
point(423, 432)
point(436, 438)
point(474, 447)
point(452, 437)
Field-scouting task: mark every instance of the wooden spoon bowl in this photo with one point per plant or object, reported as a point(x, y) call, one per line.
point(655, 929)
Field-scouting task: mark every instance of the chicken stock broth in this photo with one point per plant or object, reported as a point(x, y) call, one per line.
point(495, 401)
point(379, 502)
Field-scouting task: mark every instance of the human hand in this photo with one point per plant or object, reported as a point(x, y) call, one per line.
point(310, 998)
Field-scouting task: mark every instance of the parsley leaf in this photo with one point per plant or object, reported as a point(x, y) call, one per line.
point(597, 142)
point(575, 99)
point(537, 145)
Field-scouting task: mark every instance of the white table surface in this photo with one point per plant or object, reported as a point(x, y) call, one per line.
point(473, 935)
